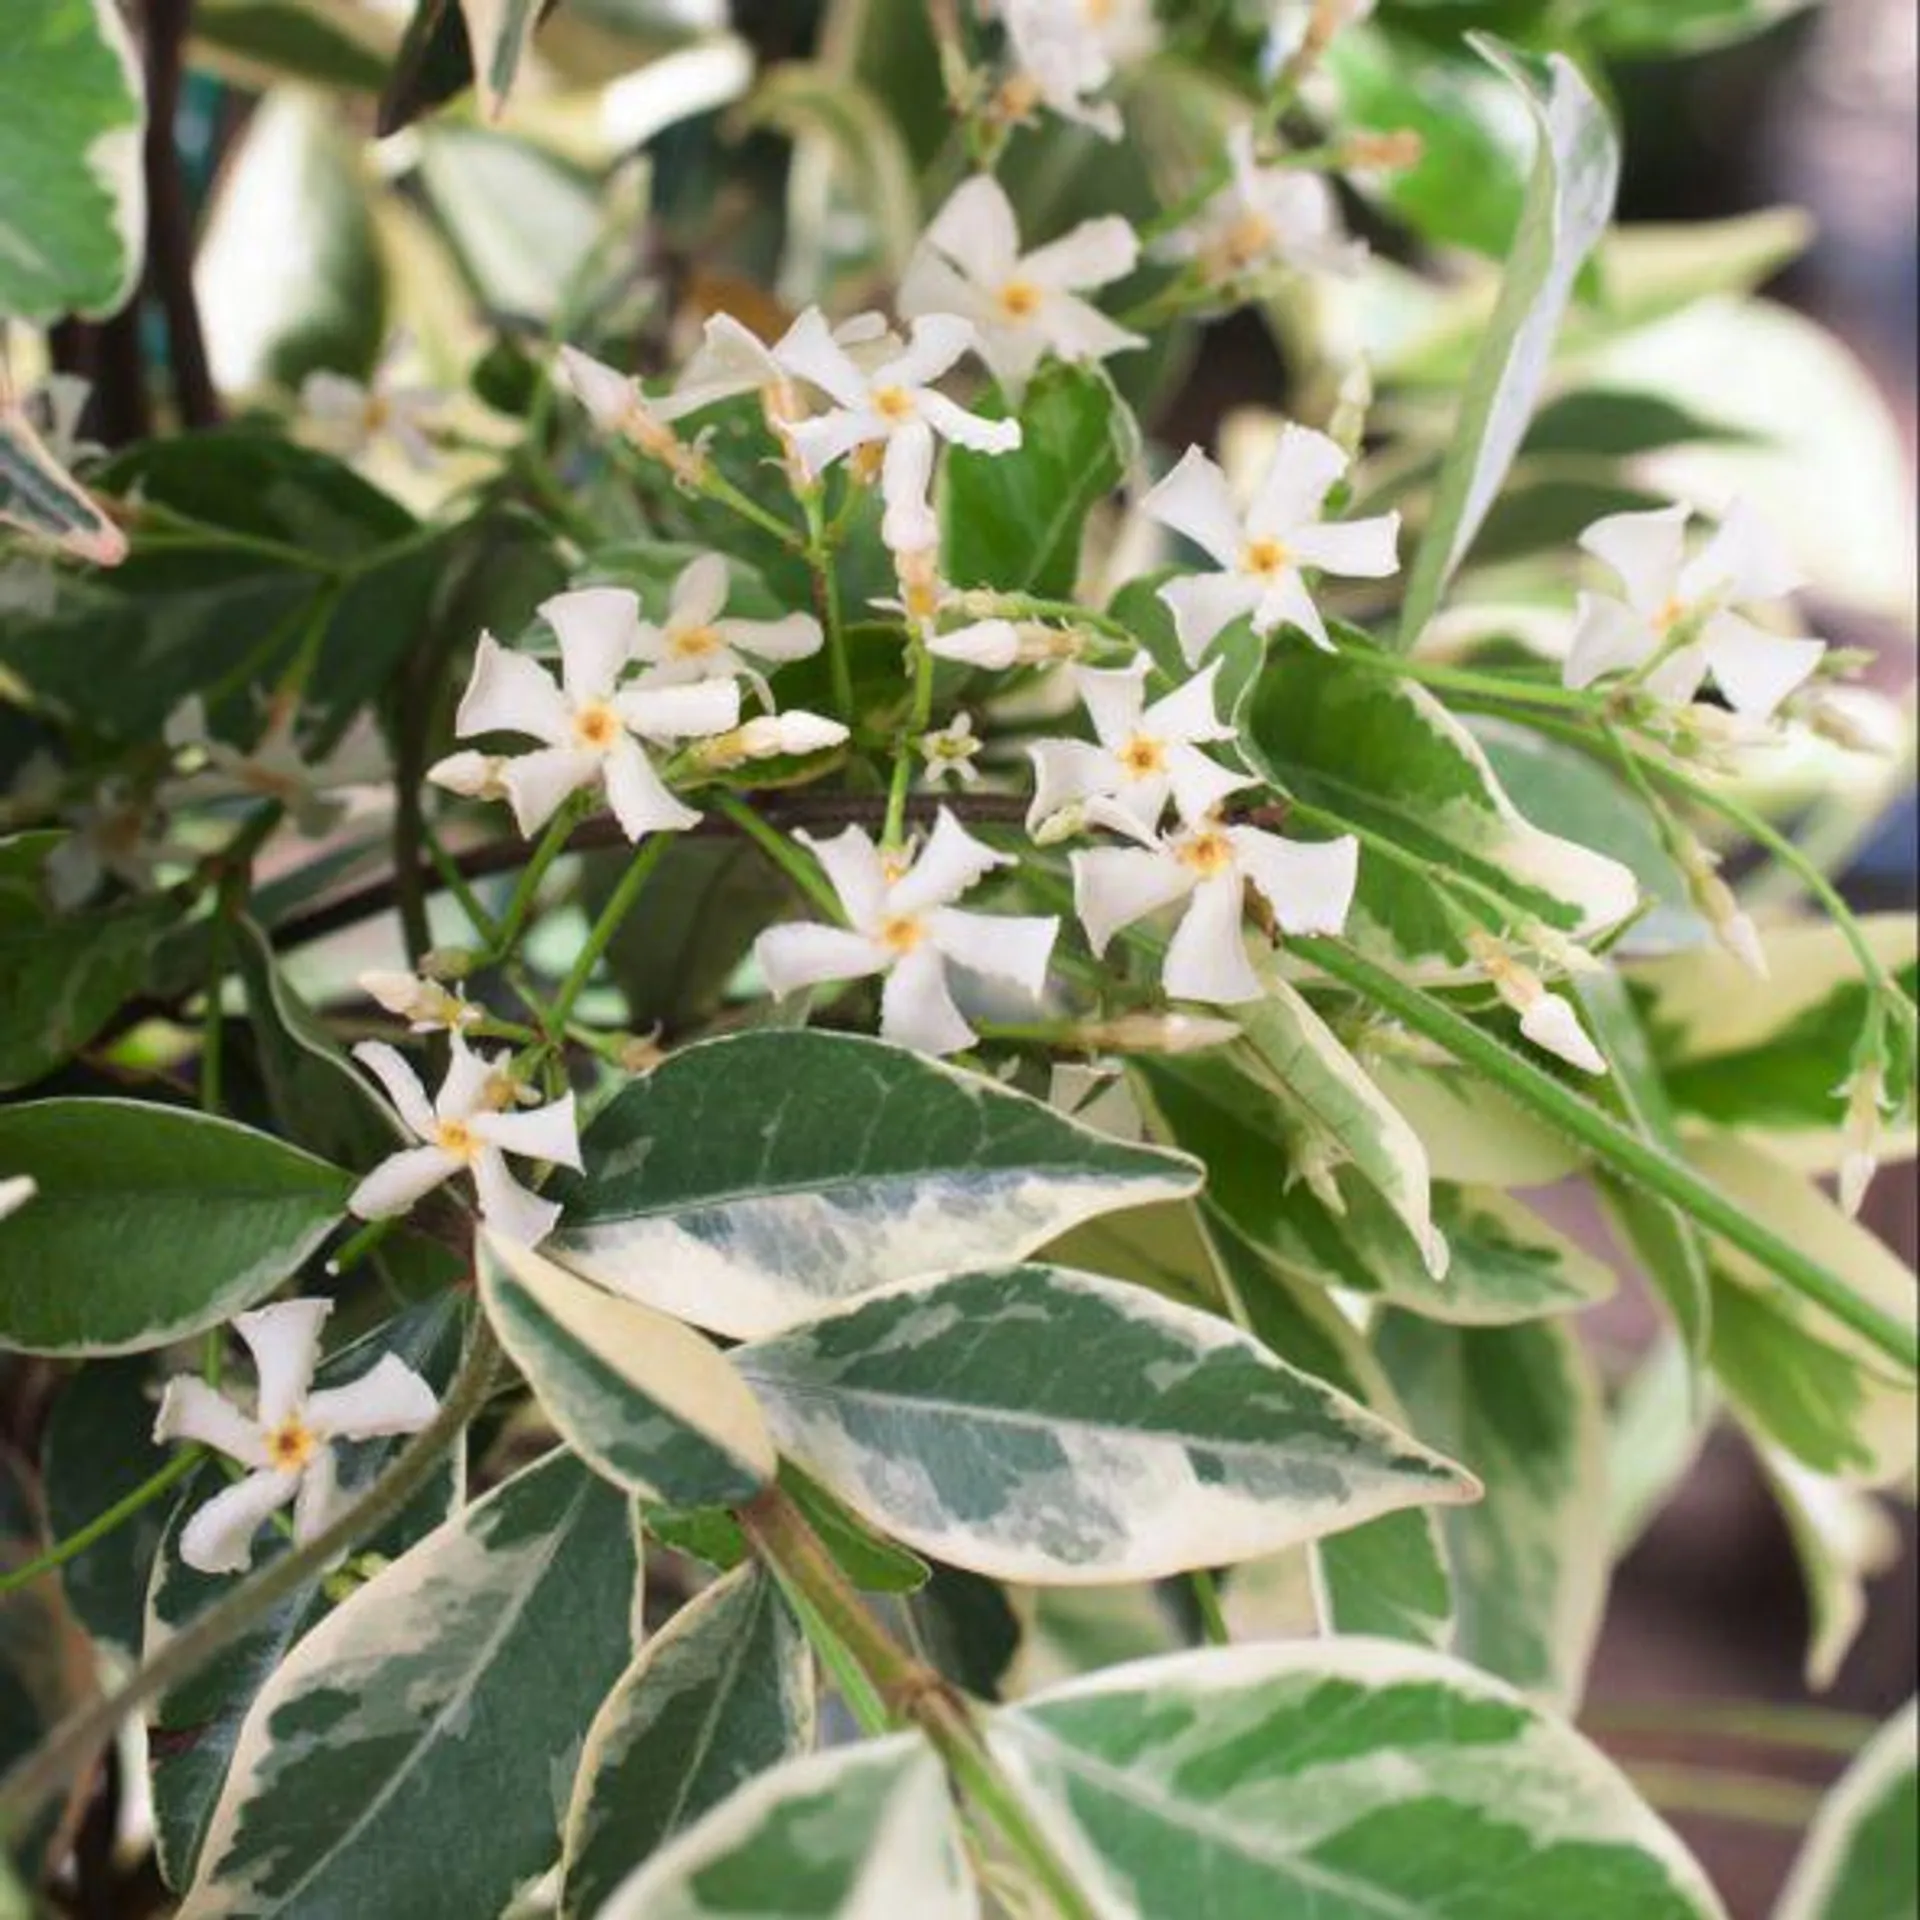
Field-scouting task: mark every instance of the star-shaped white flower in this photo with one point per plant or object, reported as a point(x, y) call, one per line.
point(1025, 306)
point(902, 924)
point(286, 1442)
point(732, 359)
point(1263, 219)
point(15, 1192)
point(1262, 553)
point(1066, 51)
point(893, 405)
point(950, 752)
point(1307, 884)
point(274, 768)
point(1679, 612)
point(694, 643)
point(470, 1126)
point(590, 725)
point(350, 417)
point(1140, 755)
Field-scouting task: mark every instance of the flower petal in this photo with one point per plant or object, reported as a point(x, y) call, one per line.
point(1003, 946)
point(699, 592)
point(1194, 499)
point(1608, 637)
point(993, 644)
point(852, 863)
point(1551, 1023)
point(1756, 669)
point(1288, 603)
point(808, 349)
point(934, 342)
point(1115, 886)
point(191, 1410)
point(401, 1084)
point(689, 712)
point(316, 1500)
point(219, 1538)
point(916, 1006)
point(596, 628)
point(1743, 561)
point(906, 483)
point(1198, 783)
point(803, 953)
point(284, 1340)
point(1307, 883)
point(511, 694)
point(953, 422)
point(977, 230)
point(1207, 956)
point(1305, 465)
point(1354, 549)
point(1204, 605)
point(514, 1212)
point(538, 783)
point(1078, 330)
point(640, 799)
point(795, 636)
point(607, 394)
point(830, 436)
point(1095, 253)
point(1645, 550)
point(388, 1398)
point(551, 1132)
point(951, 862)
point(399, 1180)
point(469, 1081)
point(1065, 771)
point(1113, 698)
point(1188, 713)
point(730, 360)
point(932, 284)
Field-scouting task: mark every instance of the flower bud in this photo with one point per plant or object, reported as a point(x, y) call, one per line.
point(474, 776)
point(1732, 926)
point(1861, 1132)
point(771, 736)
point(425, 1005)
point(1856, 718)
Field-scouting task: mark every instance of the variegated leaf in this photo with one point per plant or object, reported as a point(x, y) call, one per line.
point(1519, 1407)
point(856, 1833)
point(39, 496)
point(498, 35)
point(1862, 1859)
point(722, 1694)
point(646, 1400)
point(413, 1753)
point(1347, 1779)
point(1038, 1424)
point(750, 1183)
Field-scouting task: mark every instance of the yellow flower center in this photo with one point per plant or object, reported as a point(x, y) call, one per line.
point(291, 1445)
point(893, 403)
point(1208, 852)
point(1142, 757)
point(457, 1138)
point(597, 726)
point(377, 412)
point(1096, 13)
point(1020, 299)
point(1248, 240)
point(692, 643)
point(1670, 615)
point(864, 462)
point(901, 933)
point(1266, 557)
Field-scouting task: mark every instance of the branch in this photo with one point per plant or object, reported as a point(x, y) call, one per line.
point(169, 274)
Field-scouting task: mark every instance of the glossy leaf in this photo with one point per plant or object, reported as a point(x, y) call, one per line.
point(1569, 201)
point(152, 1223)
point(867, 1829)
point(1038, 1424)
point(1652, 29)
point(72, 194)
point(722, 1694)
point(749, 1183)
point(498, 35)
point(405, 1757)
point(262, 41)
point(651, 1404)
point(1346, 1778)
point(1861, 1861)
point(1520, 1408)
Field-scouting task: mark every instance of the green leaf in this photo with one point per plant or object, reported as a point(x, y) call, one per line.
point(72, 194)
point(1619, 423)
point(721, 1695)
point(192, 1727)
point(39, 496)
point(1652, 29)
point(1014, 521)
point(259, 42)
point(151, 1224)
point(1504, 1262)
point(66, 975)
point(1386, 755)
point(1861, 1860)
point(1520, 1407)
point(433, 65)
point(98, 1449)
point(1038, 1424)
point(647, 1401)
point(872, 1562)
point(498, 35)
point(1347, 1779)
point(1569, 201)
point(752, 1182)
point(867, 1829)
point(408, 1754)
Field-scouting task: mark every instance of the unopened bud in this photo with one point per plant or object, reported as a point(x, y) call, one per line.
point(1352, 404)
point(1546, 1019)
point(1732, 926)
point(771, 736)
point(448, 963)
point(640, 1052)
point(425, 1005)
point(1856, 718)
point(474, 776)
point(1056, 827)
point(1865, 1092)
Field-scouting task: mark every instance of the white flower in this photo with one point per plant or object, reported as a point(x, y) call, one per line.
point(1140, 755)
point(1024, 305)
point(115, 831)
point(287, 1441)
point(15, 1192)
point(950, 752)
point(732, 360)
point(1067, 50)
point(994, 644)
point(1676, 619)
point(274, 768)
point(1308, 885)
point(694, 643)
point(1263, 553)
point(902, 925)
point(468, 1128)
point(772, 736)
point(425, 1005)
point(893, 405)
point(1262, 219)
point(349, 417)
point(474, 776)
point(590, 725)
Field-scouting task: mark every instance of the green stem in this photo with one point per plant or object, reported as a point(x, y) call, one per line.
point(1801, 1729)
point(1206, 1601)
point(101, 1525)
point(1752, 1799)
point(619, 905)
point(919, 717)
point(213, 1024)
point(797, 866)
point(526, 890)
point(77, 1741)
point(849, 1677)
point(1670, 1178)
point(1485, 686)
point(716, 486)
point(486, 928)
point(821, 540)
